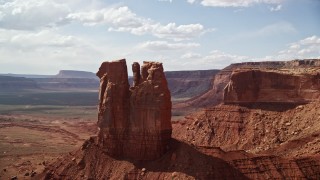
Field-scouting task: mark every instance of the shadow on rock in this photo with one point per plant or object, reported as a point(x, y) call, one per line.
point(181, 161)
point(185, 158)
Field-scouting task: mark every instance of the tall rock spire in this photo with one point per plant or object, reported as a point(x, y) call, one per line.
point(134, 122)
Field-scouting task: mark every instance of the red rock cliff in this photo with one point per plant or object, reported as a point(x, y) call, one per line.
point(134, 123)
point(215, 95)
point(251, 86)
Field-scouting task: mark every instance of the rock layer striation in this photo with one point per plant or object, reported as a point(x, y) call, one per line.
point(297, 70)
point(255, 86)
point(134, 122)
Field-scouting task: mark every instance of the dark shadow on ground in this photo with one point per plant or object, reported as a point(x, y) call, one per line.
point(91, 162)
point(187, 159)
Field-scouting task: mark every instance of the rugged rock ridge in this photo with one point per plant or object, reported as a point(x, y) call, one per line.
point(134, 122)
point(255, 86)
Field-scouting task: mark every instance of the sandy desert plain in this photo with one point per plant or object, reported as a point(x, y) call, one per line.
point(31, 136)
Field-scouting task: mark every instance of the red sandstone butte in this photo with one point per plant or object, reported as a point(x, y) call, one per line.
point(134, 122)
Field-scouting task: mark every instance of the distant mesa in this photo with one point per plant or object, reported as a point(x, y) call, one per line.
point(61, 74)
point(64, 80)
point(8, 83)
point(134, 122)
point(75, 74)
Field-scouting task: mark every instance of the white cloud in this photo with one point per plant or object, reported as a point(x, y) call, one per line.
point(276, 8)
point(181, 32)
point(276, 28)
point(118, 17)
point(46, 51)
point(122, 19)
point(234, 3)
point(191, 55)
point(165, 1)
point(43, 38)
point(32, 42)
point(305, 48)
point(312, 40)
point(223, 58)
point(216, 59)
point(191, 1)
point(34, 14)
point(166, 46)
point(294, 46)
point(31, 14)
point(32, 39)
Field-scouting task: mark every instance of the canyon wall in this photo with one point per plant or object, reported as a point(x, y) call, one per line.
point(255, 86)
point(187, 84)
point(134, 122)
point(300, 69)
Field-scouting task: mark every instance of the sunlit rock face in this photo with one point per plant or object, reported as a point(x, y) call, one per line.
point(255, 86)
point(134, 122)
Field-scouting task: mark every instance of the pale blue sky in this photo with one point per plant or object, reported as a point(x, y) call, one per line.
point(45, 36)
